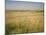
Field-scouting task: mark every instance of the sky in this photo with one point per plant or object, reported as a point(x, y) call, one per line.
point(23, 5)
point(29, 0)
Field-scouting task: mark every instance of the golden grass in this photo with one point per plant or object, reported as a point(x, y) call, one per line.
point(22, 22)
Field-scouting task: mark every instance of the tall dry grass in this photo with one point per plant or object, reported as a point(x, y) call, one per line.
point(24, 22)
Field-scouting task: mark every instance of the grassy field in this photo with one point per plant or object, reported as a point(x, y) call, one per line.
point(24, 22)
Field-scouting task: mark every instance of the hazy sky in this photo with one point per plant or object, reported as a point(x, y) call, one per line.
point(23, 5)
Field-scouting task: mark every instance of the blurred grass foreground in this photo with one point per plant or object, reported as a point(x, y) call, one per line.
point(20, 21)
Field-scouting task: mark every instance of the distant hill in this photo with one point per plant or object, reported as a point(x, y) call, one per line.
point(24, 10)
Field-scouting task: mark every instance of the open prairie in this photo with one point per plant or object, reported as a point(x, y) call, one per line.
point(24, 22)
